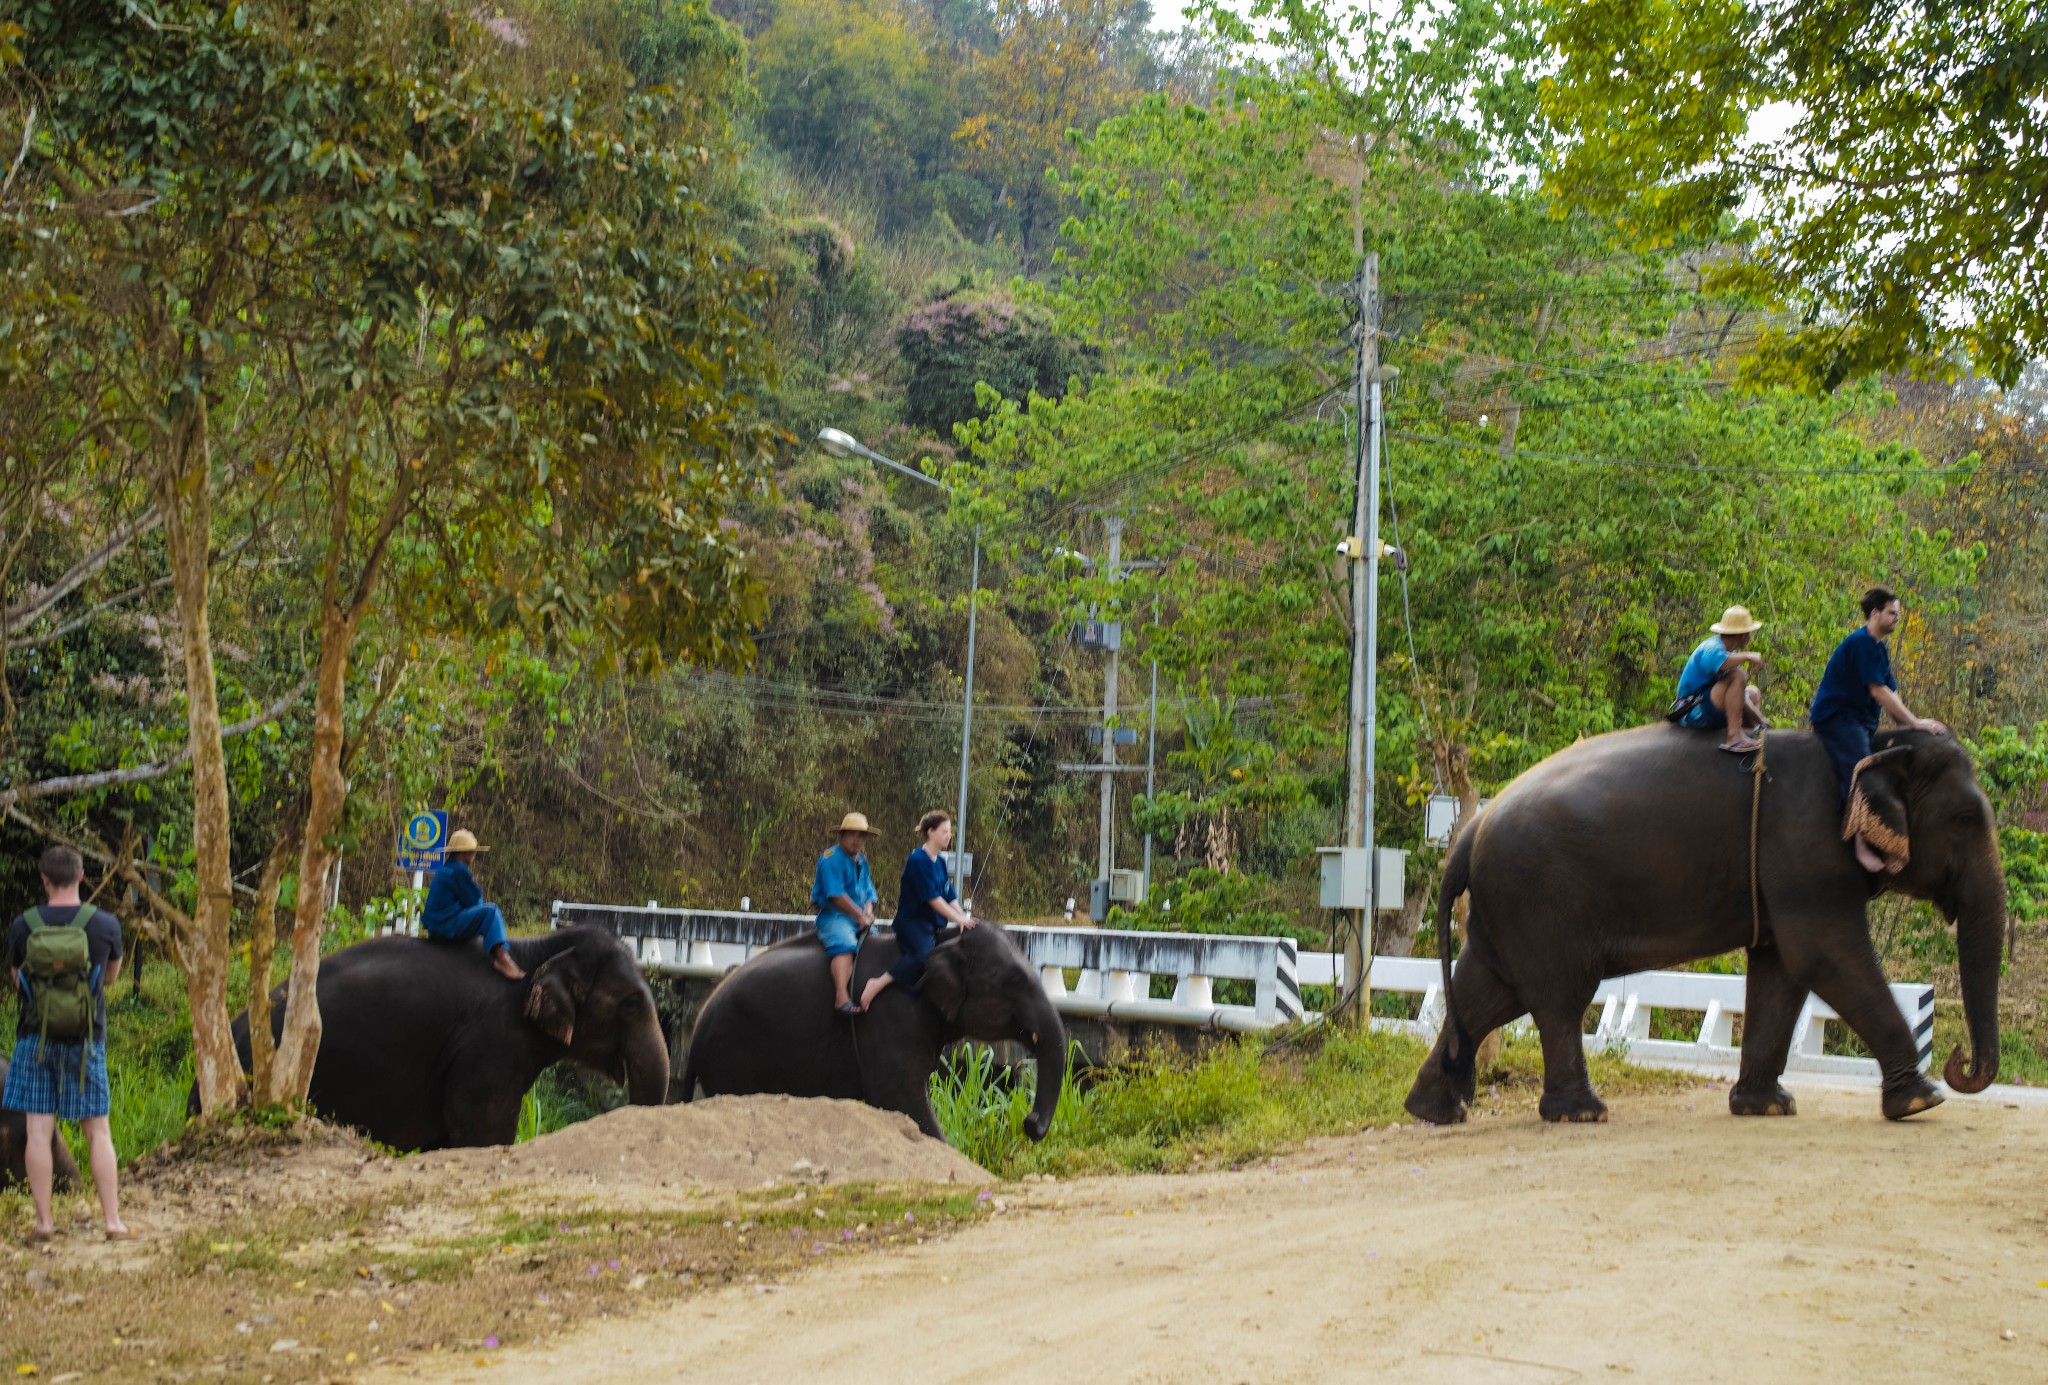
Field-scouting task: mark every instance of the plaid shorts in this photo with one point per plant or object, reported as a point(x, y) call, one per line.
point(67, 1080)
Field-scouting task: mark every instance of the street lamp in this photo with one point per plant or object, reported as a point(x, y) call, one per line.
point(841, 444)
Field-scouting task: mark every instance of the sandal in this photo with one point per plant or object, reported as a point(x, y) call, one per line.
point(849, 1008)
point(1748, 746)
point(41, 1238)
point(126, 1233)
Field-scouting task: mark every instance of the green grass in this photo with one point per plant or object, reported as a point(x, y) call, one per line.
point(1236, 1102)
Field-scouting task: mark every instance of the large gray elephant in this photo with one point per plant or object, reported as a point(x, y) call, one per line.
point(1631, 851)
point(14, 1149)
point(770, 1026)
point(424, 1046)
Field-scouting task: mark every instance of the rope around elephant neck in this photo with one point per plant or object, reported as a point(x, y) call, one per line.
point(1756, 803)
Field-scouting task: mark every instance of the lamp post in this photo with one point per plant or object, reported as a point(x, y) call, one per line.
point(845, 445)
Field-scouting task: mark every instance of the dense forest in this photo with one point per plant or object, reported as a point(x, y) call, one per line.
point(414, 408)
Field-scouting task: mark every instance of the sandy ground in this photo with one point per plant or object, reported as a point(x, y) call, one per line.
point(1675, 1243)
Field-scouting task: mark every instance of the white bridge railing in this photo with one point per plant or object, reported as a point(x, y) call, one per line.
point(1115, 971)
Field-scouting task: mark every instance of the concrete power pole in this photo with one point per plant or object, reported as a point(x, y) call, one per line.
point(1104, 852)
point(1365, 589)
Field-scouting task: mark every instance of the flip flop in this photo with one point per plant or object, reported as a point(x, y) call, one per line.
point(41, 1238)
point(1749, 747)
point(849, 1008)
point(126, 1233)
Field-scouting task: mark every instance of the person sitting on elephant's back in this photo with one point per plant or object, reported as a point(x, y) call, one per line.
point(924, 897)
point(1714, 689)
point(843, 890)
point(455, 911)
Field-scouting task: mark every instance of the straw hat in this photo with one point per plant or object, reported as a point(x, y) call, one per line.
point(853, 822)
point(462, 840)
point(1736, 620)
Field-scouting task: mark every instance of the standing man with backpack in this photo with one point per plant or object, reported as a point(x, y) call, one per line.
point(61, 958)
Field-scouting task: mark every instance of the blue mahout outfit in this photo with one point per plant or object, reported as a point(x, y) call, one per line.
point(455, 910)
point(917, 923)
point(1844, 714)
point(840, 874)
point(1703, 670)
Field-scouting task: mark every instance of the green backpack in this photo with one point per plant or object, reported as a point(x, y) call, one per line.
point(56, 971)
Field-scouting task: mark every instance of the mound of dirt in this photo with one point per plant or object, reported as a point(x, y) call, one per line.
point(731, 1142)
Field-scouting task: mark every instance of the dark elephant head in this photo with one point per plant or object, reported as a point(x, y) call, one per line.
point(986, 990)
point(1916, 801)
point(586, 993)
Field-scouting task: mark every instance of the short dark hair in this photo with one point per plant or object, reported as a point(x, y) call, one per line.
point(61, 866)
point(929, 823)
point(1876, 599)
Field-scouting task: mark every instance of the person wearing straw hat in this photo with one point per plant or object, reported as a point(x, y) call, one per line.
point(843, 889)
point(1714, 690)
point(455, 910)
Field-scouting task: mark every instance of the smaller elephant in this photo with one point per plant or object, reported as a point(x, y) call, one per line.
point(770, 1026)
point(424, 1046)
point(14, 1147)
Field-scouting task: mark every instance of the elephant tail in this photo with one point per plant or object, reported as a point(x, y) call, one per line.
point(1457, 879)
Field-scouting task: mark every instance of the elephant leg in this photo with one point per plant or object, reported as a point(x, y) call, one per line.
point(1568, 1093)
point(1852, 981)
point(1482, 1001)
point(899, 1082)
point(1769, 1013)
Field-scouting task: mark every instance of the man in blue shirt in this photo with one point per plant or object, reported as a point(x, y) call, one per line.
point(1858, 686)
point(455, 910)
point(844, 892)
point(924, 898)
point(1716, 682)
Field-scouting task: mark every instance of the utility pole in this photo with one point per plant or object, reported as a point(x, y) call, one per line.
point(1365, 574)
point(1103, 847)
point(967, 734)
point(1151, 743)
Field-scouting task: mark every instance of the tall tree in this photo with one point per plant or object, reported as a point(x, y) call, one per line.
point(1881, 165)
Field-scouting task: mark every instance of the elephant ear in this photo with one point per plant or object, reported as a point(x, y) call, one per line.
point(558, 989)
point(945, 980)
point(1877, 807)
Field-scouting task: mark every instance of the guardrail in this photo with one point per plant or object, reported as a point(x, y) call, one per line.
point(1628, 1002)
point(1116, 970)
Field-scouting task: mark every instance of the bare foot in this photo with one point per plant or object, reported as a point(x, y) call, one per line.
point(507, 968)
point(873, 989)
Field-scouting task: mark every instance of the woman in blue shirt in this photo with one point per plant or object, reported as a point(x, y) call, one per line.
point(924, 897)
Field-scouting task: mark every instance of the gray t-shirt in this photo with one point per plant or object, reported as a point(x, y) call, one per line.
point(102, 939)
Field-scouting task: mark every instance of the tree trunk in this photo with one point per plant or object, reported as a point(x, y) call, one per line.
point(327, 790)
point(262, 947)
point(184, 486)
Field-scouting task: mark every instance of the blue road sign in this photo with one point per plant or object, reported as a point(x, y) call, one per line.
point(423, 841)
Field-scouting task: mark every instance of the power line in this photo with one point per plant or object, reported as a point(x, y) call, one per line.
point(1638, 464)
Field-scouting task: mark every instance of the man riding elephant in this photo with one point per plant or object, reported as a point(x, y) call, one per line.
point(1632, 851)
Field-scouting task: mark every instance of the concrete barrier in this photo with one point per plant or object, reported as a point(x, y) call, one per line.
point(1114, 972)
point(1626, 1006)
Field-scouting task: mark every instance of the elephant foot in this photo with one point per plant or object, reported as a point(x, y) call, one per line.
point(1910, 1100)
point(1775, 1101)
point(1435, 1104)
point(1577, 1107)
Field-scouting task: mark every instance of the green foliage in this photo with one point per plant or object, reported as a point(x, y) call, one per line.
point(955, 346)
point(2012, 765)
point(1895, 212)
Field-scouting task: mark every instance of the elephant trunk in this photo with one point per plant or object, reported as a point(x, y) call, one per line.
point(1980, 930)
point(1049, 1047)
point(646, 1057)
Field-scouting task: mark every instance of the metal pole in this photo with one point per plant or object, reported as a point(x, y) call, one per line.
point(967, 725)
point(1151, 743)
point(1103, 851)
point(1358, 802)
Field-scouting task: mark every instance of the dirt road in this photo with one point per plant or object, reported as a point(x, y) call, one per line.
point(1674, 1244)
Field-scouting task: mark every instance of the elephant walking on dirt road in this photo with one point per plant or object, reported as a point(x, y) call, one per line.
point(770, 1025)
point(1631, 851)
